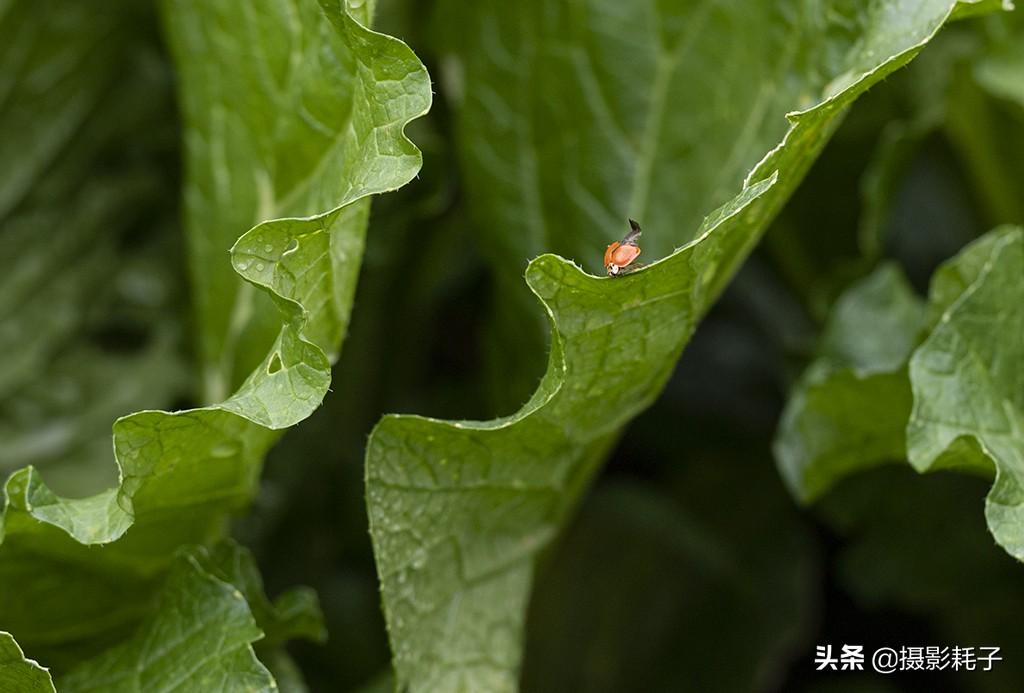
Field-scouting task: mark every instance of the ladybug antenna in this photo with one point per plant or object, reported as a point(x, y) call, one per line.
point(633, 234)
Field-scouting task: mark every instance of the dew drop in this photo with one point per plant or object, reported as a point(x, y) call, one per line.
point(243, 265)
point(260, 267)
point(268, 248)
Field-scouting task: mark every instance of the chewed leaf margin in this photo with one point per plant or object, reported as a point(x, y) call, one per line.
point(18, 672)
point(968, 410)
point(285, 389)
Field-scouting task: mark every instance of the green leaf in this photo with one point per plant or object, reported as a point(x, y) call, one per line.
point(460, 510)
point(969, 387)
point(19, 674)
point(199, 638)
point(955, 276)
point(287, 114)
point(345, 95)
point(875, 325)
point(849, 410)
point(838, 422)
point(295, 614)
point(958, 403)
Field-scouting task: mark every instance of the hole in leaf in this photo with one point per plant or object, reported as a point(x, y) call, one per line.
point(292, 246)
point(275, 364)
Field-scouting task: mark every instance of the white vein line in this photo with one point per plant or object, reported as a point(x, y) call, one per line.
point(667, 63)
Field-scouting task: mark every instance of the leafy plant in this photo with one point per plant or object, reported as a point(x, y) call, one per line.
point(298, 150)
point(18, 672)
point(952, 401)
point(456, 570)
point(625, 528)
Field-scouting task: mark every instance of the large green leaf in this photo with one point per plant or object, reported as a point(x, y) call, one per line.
point(198, 638)
point(849, 410)
point(287, 114)
point(460, 510)
point(968, 382)
point(343, 96)
point(19, 674)
point(957, 400)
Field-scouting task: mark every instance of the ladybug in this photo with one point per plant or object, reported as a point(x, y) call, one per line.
point(621, 254)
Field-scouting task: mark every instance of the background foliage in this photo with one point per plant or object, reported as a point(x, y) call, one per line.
point(691, 561)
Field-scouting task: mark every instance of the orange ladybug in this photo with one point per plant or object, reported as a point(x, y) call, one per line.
point(621, 254)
